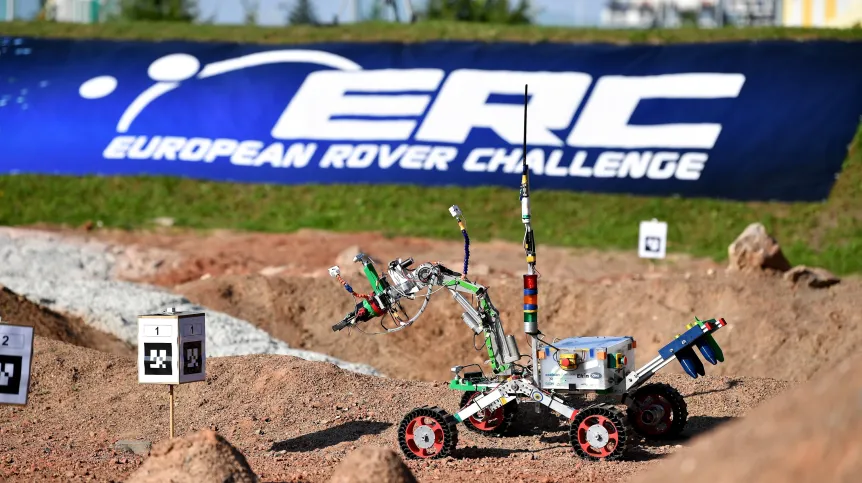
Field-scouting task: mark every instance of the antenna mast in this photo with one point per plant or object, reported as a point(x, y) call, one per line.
point(531, 284)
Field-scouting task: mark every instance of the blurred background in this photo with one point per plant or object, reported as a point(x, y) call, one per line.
point(580, 13)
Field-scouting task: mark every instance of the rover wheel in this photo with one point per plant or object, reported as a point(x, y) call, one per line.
point(489, 422)
point(427, 433)
point(599, 432)
point(657, 411)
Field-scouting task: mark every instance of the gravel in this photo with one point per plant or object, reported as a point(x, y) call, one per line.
point(76, 278)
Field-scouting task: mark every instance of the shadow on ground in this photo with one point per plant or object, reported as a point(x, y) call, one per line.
point(349, 431)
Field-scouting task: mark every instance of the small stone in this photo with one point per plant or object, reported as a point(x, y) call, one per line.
point(139, 447)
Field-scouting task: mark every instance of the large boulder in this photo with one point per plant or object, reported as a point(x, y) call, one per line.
point(372, 464)
point(756, 250)
point(202, 457)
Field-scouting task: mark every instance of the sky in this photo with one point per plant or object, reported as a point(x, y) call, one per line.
point(271, 12)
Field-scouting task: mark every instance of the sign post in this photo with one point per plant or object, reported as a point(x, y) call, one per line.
point(16, 363)
point(171, 350)
point(652, 239)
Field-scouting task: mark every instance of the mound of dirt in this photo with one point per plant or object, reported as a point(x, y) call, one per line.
point(372, 464)
point(294, 419)
point(771, 324)
point(810, 434)
point(16, 309)
point(201, 457)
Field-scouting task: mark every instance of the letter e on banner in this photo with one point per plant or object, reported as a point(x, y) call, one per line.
point(323, 95)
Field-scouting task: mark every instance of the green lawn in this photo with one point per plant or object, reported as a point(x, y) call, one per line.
point(825, 234)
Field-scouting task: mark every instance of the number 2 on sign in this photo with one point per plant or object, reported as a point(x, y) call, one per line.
point(5, 340)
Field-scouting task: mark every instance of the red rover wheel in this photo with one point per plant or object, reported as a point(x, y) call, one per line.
point(599, 432)
point(427, 433)
point(489, 422)
point(657, 411)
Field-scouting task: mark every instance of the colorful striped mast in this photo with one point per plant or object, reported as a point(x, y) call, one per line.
point(531, 278)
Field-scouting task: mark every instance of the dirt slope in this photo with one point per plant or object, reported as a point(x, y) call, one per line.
point(772, 327)
point(773, 324)
point(813, 433)
point(293, 418)
point(16, 309)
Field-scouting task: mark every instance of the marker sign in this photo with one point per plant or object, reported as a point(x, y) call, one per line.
point(171, 348)
point(16, 356)
point(652, 239)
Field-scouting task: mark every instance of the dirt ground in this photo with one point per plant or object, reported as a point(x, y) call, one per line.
point(16, 309)
point(295, 420)
point(280, 283)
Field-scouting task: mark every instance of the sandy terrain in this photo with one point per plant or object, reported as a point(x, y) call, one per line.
point(293, 418)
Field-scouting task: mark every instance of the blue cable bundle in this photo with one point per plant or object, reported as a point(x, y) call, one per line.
point(466, 250)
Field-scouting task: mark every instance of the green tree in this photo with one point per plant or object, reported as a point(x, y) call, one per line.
point(302, 13)
point(484, 11)
point(159, 10)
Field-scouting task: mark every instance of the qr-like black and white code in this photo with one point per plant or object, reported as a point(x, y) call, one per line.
point(192, 357)
point(10, 374)
point(157, 359)
point(652, 244)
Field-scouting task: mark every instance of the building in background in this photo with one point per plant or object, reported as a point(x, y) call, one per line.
point(702, 13)
point(822, 13)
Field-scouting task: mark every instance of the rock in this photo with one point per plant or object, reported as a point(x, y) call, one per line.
point(372, 464)
point(140, 446)
point(271, 271)
point(164, 221)
point(756, 250)
point(811, 276)
point(200, 457)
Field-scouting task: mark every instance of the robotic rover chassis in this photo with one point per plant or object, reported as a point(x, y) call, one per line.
point(557, 370)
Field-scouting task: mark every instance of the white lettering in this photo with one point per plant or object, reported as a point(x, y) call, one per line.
point(690, 166)
point(137, 150)
point(246, 152)
point(577, 168)
point(604, 121)
point(299, 155)
point(336, 155)
point(509, 161)
point(388, 157)
point(461, 106)
point(607, 164)
point(221, 147)
point(635, 165)
point(440, 157)
point(472, 163)
point(552, 168)
point(414, 157)
point(169, 148)
point(273, 154)
point(195, 149)
point(118, 147)
point(656, 171)
point(362, 156)
point(323, 95)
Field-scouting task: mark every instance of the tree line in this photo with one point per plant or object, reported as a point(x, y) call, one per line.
point(302, 12)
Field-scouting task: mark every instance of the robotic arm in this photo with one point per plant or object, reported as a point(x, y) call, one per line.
point(401, 283)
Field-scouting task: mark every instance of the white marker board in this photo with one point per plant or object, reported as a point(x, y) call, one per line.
point(16, 358)
point(172, 348)
point(652, 239)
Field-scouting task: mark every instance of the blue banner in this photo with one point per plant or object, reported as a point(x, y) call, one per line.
point(746, 121)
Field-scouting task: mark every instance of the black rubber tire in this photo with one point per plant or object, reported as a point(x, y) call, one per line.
point(510, 410)
point(445, 420)
point(672, 397)
point(620, 428)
